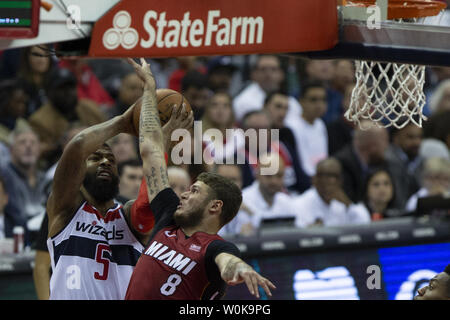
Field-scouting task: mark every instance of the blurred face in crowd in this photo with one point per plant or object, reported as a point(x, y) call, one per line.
point(64, 98)
point(39, 60)
point(220, 79)
point(409, 139)
point(436, 176)
point(101, 179)
point(437, 289)
point(377, 146)
point(257, 121)
point(371, 143)
point(179, 181)
point(131, 89)
point(314, 103)
point(380, 189)
point(219, 110)
point(444, 104)
point(198, 99)
point(268, 73)
point(25, 150)
point(130, 181)
point(344, 73)
point(322, 70)
point(277, 108)
point(123, 147)
point(327, 178)
point(3, 197)
point(269, 185)
point(232, 172)
point(17, 105)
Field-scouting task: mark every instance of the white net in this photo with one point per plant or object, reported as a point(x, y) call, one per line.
point(388, 94)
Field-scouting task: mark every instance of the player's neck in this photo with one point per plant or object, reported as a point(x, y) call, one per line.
point(101, 206)
point(191, 230)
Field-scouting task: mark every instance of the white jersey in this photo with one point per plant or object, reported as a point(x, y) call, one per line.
point(93, 256)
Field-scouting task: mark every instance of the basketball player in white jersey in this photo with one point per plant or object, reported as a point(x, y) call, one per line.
point(94, 243)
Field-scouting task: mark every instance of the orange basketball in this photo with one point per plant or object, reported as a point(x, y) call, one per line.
point(166, 98)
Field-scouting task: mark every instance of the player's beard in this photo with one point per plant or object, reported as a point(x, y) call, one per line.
point(101, 190)
point(191, 219)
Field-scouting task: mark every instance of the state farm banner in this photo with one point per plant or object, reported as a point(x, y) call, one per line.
point(136, 28)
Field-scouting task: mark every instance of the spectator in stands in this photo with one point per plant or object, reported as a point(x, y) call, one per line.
point(379, 195)
point(340, 130)
point(179, 180)
point(184, 66)
point(35, 67)
point(437, 127)
point(219, 115)
point(88, 85)
point(124, 147)
point(265, 198)
point(194, 87)
point(130, 175)
point(344, 75)
point(220, 74)
point(3, 203)
point(435, 181)
point(364, 154)
point(326, 203)
point(310, 131)
point(129, 91)
point(404, 151)
point(440, 99)
point(13, 105)
point(276, 106)
point(53, 119)
point(25, 181)
point(267, 76)
point(254, 120)
point(230, 171)
point(438, 287)
point(241, 224)
point(324, 72)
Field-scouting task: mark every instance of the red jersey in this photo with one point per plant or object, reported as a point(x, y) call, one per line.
point(175, 266)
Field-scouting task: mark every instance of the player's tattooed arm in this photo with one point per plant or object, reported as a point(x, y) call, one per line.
point(234, 270)
point(151, 141)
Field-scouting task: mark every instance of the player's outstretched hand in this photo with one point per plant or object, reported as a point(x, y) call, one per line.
point(244, 273)
point(180, 118)
point(144, 72)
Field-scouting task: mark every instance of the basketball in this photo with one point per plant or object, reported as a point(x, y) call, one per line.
point(166, 98)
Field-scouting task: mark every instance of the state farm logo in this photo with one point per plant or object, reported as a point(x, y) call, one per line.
point(121, 33)
point(164, 33)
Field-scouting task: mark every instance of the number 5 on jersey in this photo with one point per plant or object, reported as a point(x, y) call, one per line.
point(101, 249)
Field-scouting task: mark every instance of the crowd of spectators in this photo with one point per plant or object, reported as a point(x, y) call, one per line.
point(330, 172)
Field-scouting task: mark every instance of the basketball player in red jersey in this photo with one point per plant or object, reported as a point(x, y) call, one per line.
point(93, 242)
point(185, 258)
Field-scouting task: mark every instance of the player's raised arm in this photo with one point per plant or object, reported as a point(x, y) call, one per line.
point(151, 138)
point(71, 168)
point(234, 270)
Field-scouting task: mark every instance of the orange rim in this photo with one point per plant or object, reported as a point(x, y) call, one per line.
point(404, 9)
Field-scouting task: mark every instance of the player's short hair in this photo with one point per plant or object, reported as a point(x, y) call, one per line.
point(225, 190)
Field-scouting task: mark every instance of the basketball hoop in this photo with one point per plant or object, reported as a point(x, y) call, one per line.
point(389, 92)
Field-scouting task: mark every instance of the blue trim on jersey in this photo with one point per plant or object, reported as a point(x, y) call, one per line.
point(86, 248)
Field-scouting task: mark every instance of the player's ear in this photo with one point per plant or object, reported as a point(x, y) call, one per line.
point(216, 206)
